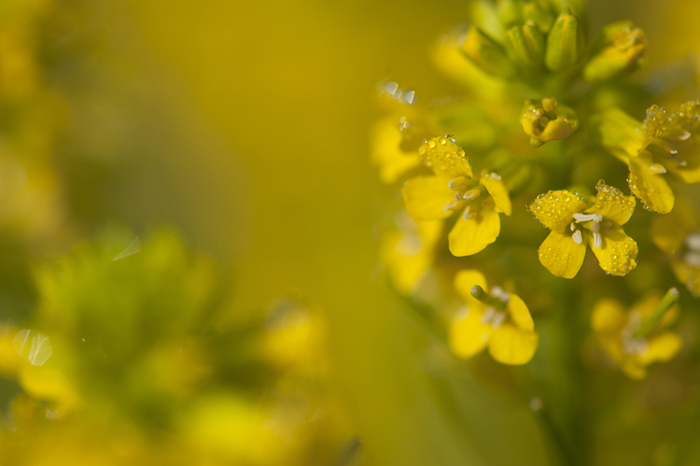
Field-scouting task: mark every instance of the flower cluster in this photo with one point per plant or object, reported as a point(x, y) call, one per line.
point(541, 121)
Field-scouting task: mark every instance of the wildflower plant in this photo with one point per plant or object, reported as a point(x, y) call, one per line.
point(549, 126)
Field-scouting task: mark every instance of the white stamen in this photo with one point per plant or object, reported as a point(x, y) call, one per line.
point(487, 315)
point(498, 319)
point(571, 226)
point(500, 293)
point(466, 215)
point(588, 217)
point(597, 239)
point(693, 242)
point(692, 259)
point(577, 237)
point(449, 205)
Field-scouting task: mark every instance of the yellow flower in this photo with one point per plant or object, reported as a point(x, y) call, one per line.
point(657, 146)
point(547, 121)
point(453, 188)
point(678, 234)
point(500, 321)
point(409, 251)
point(573, 224)
point(638, 337)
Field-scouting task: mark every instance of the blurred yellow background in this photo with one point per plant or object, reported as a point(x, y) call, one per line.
point(245, 125)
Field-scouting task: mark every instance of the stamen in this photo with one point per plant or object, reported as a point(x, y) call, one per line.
point(500, 293)
point(571, 226)
point(467, 215)
point(498, 319)
point(458, 184)
point(577, 237)
point(471, 194)
point(488, 315)
point(597, 239)
point(450, 205)
point(692, 259)
point(588, 218)
point(693, 242)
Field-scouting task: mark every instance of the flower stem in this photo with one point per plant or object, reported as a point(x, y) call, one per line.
point(648, 325)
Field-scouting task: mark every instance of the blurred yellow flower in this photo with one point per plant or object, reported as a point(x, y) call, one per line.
point(453, 188)
point(678, 234)
point(409, 251)
point(574, 225)
point(663, 143)
point(638, 336)
point(500, 321)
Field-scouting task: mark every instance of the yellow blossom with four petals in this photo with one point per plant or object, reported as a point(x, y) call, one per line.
point(453, 188)
point(618, 331)
point(574, 224)
point(505, 327)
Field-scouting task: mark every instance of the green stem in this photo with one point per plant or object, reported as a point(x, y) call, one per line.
point(648, 325)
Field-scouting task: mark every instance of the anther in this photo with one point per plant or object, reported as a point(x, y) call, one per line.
point(471, 194)
point(597, 239)
point(588, 218)
point(458, 184)
point(577, 237)
point(449, 205)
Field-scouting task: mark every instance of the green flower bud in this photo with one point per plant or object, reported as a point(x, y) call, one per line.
point(620, 49)
point(487, 54)
point(565, 42)
point(547, 121)
point(525, 46)
point(510, 13)
point(539, 14)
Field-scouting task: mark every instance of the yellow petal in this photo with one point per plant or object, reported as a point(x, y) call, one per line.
point(689, 275)
point(409, 251)
point(473, 235)
point(465, 280)
point(498, 191)
point(445, 157)
point(608, 316)
point(511, 345)
point(612, 204)
point(662, 347)
point(426, 197)
point(669, 231)
point(649, 186)
point(561, 255)
point(633, 368)
point(556, 209)
point(617, 253)
point(520, 313)
point(386, 151)
point(467, 335)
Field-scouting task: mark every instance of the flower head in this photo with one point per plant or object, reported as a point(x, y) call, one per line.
point(574, 225)
point(663, 143)
point(500, 321)
point(453, 188)
point(678, 235)
point(638, 337)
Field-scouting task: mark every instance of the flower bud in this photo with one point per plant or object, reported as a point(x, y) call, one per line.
point(546, 121)
point(487, 54)
point(620, 49)
point(539, 14)
point(525, 46)
point(565, 42)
